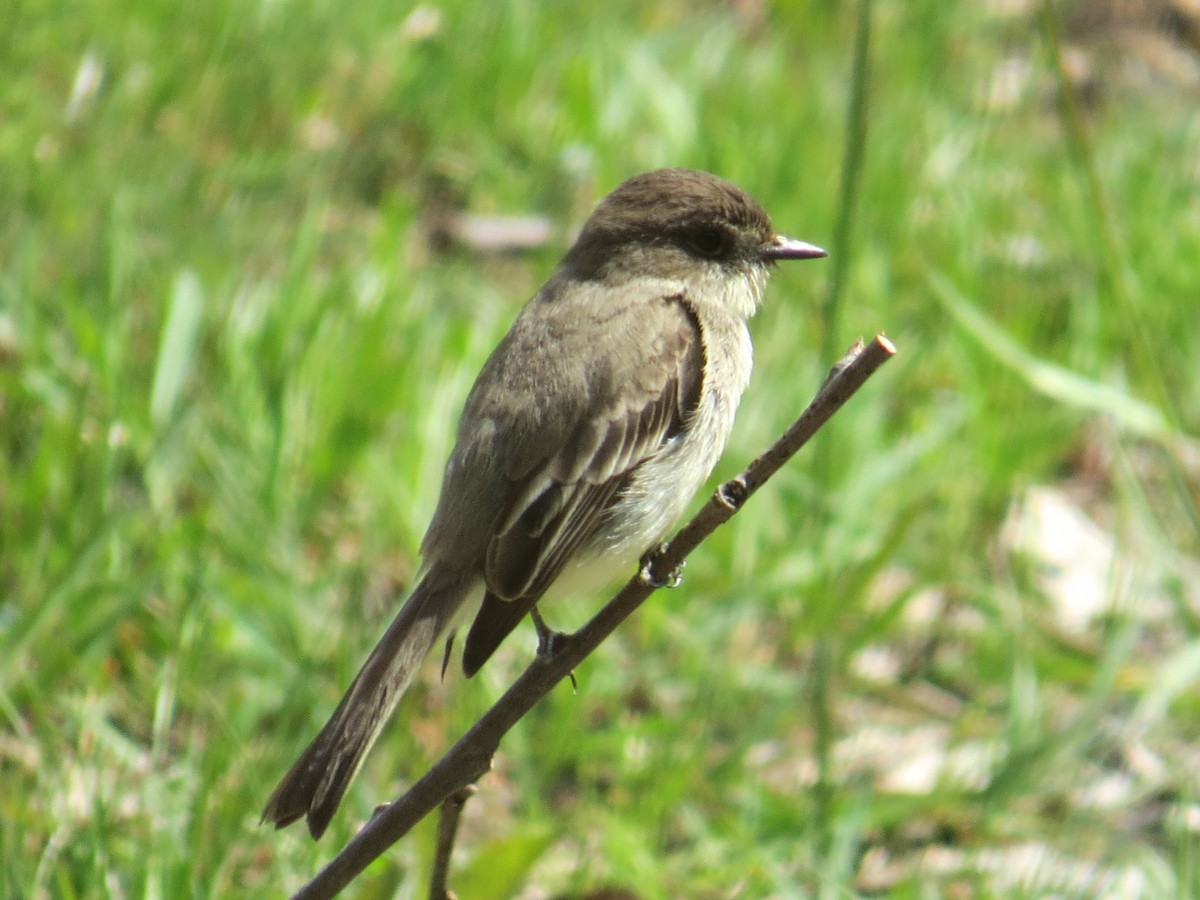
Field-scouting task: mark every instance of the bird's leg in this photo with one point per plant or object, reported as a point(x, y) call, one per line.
point(549, 640)
point(671, 579)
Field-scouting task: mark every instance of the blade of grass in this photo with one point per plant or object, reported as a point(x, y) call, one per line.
point(824, 651)
point(177, 345)
point(1053, 381)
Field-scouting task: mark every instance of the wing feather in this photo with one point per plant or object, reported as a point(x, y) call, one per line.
point(560, 507)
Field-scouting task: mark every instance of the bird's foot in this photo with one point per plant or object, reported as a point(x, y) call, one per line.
point(550, 641)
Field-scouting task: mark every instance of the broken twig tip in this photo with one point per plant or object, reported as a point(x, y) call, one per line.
point(732, 494)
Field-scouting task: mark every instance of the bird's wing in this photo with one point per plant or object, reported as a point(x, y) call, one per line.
point(561, 504)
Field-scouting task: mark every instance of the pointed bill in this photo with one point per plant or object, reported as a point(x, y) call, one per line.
point(786, 248)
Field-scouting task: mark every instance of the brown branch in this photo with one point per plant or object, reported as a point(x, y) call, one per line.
point(448, 821)
point(471, 757)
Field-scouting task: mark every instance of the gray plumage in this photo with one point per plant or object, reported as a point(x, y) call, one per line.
point(587, 432)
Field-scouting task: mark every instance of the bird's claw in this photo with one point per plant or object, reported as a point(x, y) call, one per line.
point(550, 641)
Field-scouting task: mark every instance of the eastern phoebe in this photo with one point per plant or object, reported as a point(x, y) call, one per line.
point(591, 426)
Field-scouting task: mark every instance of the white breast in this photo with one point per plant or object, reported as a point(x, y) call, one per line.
point(663, 486)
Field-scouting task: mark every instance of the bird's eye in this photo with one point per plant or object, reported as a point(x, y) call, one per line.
point(711, 243)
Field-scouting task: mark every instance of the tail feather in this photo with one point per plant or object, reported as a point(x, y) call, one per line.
point(317, 781)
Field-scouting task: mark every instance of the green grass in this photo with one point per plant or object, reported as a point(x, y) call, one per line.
point(230, 364)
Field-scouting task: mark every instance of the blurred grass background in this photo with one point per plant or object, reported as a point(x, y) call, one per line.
point(952, 651)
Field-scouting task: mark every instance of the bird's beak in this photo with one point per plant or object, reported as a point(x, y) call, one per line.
point(786, 248)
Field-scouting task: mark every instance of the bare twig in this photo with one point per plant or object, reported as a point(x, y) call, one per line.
point(450, 816)
point(471, 757)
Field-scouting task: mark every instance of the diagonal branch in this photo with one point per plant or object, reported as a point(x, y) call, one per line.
point(471, 757)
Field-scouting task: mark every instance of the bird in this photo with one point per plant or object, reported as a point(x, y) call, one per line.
point(588, 430)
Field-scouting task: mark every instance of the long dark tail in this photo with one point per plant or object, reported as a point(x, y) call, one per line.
point(317, 781)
